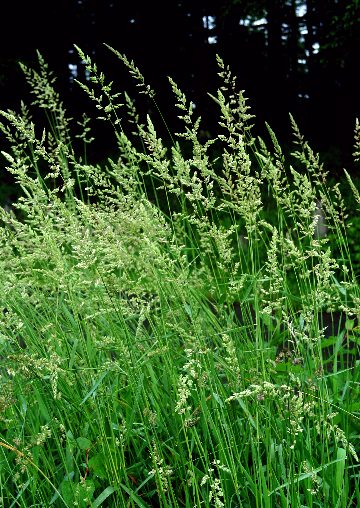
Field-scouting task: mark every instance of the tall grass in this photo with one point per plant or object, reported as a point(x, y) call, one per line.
point(174, 331)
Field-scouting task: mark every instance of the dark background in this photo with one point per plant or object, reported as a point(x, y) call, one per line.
point(297, 56)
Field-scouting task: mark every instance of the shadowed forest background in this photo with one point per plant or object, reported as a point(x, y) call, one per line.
point(290, 56)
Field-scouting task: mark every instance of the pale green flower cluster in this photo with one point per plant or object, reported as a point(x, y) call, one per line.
point(294, 405)
point(161, 471)
point(216, 493)
point(187, 382)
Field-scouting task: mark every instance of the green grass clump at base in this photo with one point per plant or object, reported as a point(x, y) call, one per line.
point(175, 332)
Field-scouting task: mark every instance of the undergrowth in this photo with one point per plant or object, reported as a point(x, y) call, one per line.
point(165, 341)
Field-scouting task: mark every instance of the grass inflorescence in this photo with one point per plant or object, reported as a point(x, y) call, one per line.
point(177, 330)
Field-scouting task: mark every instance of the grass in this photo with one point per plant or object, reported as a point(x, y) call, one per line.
point(174, 332)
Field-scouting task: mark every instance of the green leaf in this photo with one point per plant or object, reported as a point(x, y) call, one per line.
point(67, 478)
point(104, 495)
point(304, 476)
point(349, 324)
point(83, 443)
point(137, 500)
point(15, 502)
point(188, 310)
point(340, 468)
point(97, 465)
point(94, 388)
point(340, 288)
point(218, 399)
point(67, 491)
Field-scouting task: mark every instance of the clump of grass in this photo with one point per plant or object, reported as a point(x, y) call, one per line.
point(173, 351)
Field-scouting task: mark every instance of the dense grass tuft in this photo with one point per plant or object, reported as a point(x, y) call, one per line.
point(177, 329)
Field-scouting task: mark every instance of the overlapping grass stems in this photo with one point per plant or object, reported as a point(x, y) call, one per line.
point(162, 340)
